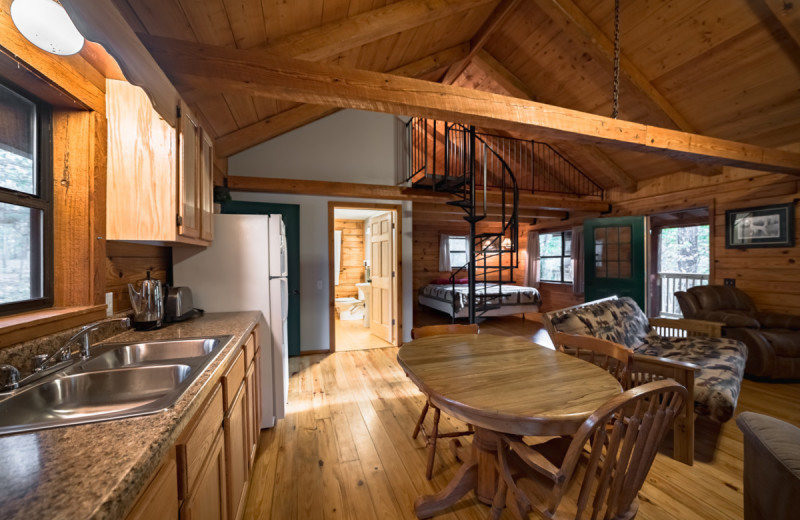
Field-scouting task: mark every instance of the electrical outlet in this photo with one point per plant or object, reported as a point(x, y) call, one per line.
point(730, 282)
point(109, 304)
point(319, 285)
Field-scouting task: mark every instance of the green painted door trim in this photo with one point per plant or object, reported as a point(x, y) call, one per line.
point(291, 220)
point(635, 285)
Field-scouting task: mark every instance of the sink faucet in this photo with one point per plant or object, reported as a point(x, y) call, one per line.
point(64, 353)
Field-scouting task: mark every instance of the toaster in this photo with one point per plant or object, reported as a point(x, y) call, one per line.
point(179, 306)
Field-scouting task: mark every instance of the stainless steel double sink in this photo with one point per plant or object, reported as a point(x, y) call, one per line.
point(119, 380)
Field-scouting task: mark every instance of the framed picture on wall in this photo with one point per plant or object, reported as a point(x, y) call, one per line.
point(763, 226)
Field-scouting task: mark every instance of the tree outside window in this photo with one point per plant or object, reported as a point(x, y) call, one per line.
point(555, 264)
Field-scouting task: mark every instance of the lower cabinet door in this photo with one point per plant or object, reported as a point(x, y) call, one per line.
point(237, 452)
point(208, 500)
point(253, 424)
point(160, 499)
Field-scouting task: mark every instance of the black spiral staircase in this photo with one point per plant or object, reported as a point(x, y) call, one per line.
point(470, 168)
point(474, 166)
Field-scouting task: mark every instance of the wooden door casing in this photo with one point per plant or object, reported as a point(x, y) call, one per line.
point(382, 265)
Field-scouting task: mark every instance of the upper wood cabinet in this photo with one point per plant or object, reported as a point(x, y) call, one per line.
point(160, 181)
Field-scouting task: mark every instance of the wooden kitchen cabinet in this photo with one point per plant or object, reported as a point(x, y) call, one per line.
point(160, 498)
point(237, 453)
point(207, 189)
point(155, 183)
point(208, 500)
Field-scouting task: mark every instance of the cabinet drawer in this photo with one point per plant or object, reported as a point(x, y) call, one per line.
point(195, 446)
point(250, 349)
point(232, 379)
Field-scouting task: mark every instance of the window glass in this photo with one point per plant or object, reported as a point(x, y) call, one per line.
point(25, 203)
point(458, 251)
point(17, 142)
point(555, 264)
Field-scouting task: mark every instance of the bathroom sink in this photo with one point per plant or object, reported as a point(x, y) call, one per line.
point(189, 351)
point(120, 380)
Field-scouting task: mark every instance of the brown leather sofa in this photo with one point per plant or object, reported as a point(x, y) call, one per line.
point(772, 339)
point(771, 467)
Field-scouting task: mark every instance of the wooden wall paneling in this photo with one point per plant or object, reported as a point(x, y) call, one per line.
point(128, 263)
point(97, 170)
point(351, 266)
point(230, 70)
point(74, 177)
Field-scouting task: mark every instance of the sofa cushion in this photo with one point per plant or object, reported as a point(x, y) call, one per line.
point(620, 321)
point(721, 362)
point(713, 297)
point(785, 342)
point(731, 318)
point(773, 320)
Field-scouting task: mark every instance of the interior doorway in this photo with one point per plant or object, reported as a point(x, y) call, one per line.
point(364, 268)
point(680, 257)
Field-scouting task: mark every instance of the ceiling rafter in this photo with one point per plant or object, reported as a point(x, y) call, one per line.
point(260, 74)
point(477, 42)
point(288, 120)
point(334, 38)
point(515, 87)
point(571, 18)
point(788, 15)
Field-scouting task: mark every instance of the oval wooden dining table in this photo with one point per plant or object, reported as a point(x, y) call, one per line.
point(500, 384)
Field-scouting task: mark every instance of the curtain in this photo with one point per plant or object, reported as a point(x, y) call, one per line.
point(532, 269)
point(444, 252)
point(337, 255)
point(577, 257)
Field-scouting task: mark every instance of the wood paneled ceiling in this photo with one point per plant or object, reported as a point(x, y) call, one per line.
point(721, 69)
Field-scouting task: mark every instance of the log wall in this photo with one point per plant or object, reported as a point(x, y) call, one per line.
point(351, 267)
point(127, 263)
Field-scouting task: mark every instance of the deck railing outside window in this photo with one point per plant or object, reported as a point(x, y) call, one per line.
point(672, 283)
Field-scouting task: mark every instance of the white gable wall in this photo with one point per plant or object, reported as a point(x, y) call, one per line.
point(349, 146)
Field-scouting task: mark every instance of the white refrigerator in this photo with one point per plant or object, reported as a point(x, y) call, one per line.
point(244, 269)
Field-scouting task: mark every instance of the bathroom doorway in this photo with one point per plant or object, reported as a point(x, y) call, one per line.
point(364, 276)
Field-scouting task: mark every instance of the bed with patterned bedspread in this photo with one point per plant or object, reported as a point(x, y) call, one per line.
point(453, 298)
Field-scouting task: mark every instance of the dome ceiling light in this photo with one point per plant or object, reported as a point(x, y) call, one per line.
point(46, 24)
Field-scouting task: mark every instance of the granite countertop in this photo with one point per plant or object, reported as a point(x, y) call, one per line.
point(97, 470)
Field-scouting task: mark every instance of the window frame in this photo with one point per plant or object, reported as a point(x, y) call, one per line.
point(563, 256)
point(450, 251)
point(43, 200)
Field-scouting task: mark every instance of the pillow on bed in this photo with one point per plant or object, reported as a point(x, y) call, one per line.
point(441, 281)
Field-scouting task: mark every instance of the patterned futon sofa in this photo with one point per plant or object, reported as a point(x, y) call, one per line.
point(713, 365)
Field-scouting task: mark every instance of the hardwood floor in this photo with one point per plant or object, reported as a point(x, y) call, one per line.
point(344, 449)
point(352, 335)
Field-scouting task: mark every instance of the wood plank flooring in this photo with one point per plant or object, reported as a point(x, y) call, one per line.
point(352, 335)
point(344, 450)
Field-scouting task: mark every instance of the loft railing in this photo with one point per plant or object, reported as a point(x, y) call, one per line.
point(670, 283)
point(538, 167)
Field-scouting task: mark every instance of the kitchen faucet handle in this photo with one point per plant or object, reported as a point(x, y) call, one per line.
point(38, 361)
point(9, 378)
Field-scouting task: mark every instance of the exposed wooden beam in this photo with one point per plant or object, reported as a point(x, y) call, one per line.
point(340, 36)
point(283, 122)
point(508, 81)
point(382, 192)
point(255, 73)
point(569, 16)
point(788, 14)
point(101, 22)
point(477, 42)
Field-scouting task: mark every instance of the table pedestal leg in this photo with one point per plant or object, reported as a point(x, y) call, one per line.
point(477, 472)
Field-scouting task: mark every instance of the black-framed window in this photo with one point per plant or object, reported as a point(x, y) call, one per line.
point(458, 251)
point(26, 209)
point(555, 264)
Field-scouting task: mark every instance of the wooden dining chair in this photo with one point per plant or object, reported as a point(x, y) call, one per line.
point(602, 482)
point(430, 439)
point(611, 356)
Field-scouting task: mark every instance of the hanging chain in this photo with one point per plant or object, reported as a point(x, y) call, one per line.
point(615, 103)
